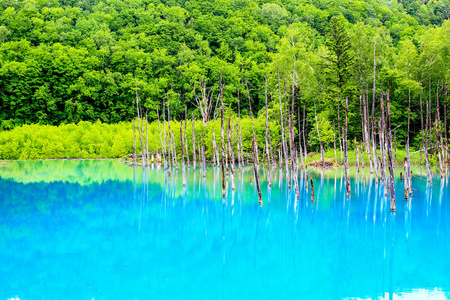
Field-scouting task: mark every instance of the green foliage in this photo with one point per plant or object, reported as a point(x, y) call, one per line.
point(73, 61)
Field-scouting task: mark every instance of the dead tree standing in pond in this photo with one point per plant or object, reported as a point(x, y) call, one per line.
point(269, 175)
point(292, 139)
point(182, 154)
point(162, 145)
point(255, 171)
point(193, 141)
point(345, 146)
point(318, 135)
point(391, 154)
point(222, 136)
point(185, 137)
point(230, 149)
point(283, 140)
point(253, 125)
point(408, 175)
point(425, 145)
point(299, 139)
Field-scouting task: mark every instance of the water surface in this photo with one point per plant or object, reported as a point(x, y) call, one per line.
point(102, 230)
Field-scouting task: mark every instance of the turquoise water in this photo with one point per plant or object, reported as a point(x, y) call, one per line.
point(102, 230)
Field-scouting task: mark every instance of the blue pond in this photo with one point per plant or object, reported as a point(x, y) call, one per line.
point(102, 230)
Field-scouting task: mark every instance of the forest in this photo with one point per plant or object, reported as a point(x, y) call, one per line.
point(68, 64)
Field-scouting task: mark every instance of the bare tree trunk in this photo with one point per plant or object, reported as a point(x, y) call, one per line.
point(269, 175)
point(318, 135)
point(374, 144)
point(367, 130)
point(334, 140)
point(240, 131)
point(391, 156)
point(299, 139)
point(134, 142)
point(282, 131)
point(193, 141)
point(203, 159)
point(231, 155)
point(253, 125)
point(421, 127)
point(174, 151)
point(271, 151)
point(339, 124)
point(357, 155)
point(405, 183)
point(222, 136)
point(306, 177)
point(160, 136)
point(383, 150)
point(447, 155)
point(312, 192)
point(441, 138)
point(292, 138)
point(408, 161)
point(425, 144)
point(146, 137)
point(185, 137)
point(344, 140)
point(255, 171)
point(182, 153)
point(304, 133)
point(215, 154)
point(139, 125)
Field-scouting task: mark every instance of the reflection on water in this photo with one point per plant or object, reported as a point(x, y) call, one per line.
point(98, 229)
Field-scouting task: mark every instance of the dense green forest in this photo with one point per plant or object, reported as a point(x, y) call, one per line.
point(63, 62)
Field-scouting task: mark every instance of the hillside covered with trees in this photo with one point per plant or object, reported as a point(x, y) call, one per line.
point(67, 61)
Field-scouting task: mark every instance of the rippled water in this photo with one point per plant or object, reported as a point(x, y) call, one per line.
point(102, 230)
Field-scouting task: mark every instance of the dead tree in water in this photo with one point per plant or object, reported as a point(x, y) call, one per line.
point(230, 149)
point(382, 133)
point(134, 142)
point(216, 152)
point(283, 141)
point(408, 175)
point(139, 114)
point(391, 155)
point(193, 141)
point(440, 140)
point(299, 139)
point(185, 137)
point(344, 141)
point(255, 171)
point(421, 128)
point(222, 136)
point(291, 140)
point(306, 177)
point(182, 153)
point(269, 175)
point(425, 145)
point(146, 137)
point(253, 125)
point(334, 140)
point(203, 159)
point(318, 135)
point(357, 155)
point(405, 183)
point(374, 144)
point(162, 145)
point(304, 133)
point(312, 192)
point(240, 133)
